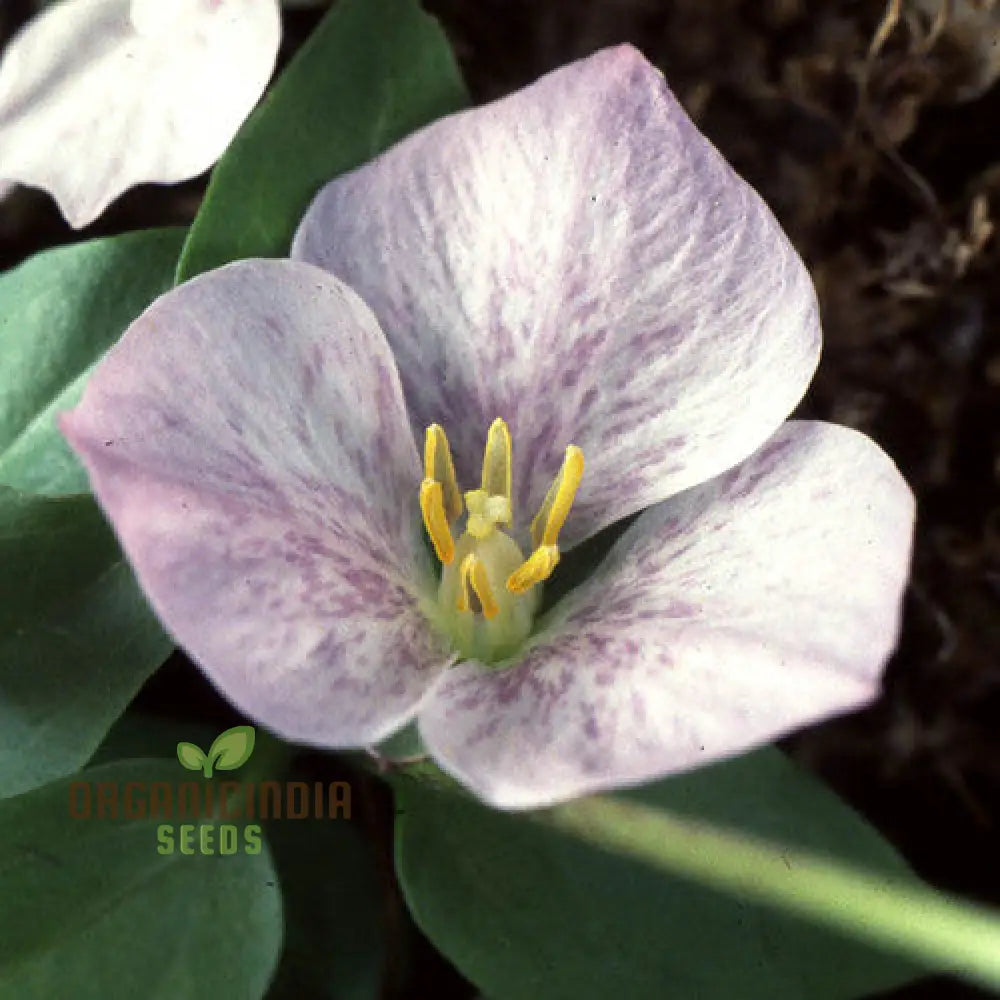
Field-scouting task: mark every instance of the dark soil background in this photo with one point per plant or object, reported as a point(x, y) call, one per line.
point(871, 129)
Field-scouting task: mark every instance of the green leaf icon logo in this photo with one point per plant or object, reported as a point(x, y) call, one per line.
point(191, 756)
point(229, 750)
point(232, 748)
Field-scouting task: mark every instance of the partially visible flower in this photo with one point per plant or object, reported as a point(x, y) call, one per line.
point(581, 312)
point(99, 95)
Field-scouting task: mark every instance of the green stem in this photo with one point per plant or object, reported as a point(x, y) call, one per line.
point(941, 931)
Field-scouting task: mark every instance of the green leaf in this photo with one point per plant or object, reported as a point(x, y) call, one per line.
point(333, 896)
point(59, 312)
point(525, 911)
point(138, 734)
point(91, 908)
point(372, 72)
point(403, 745)
point(192, 757)
point(232, 748)
point(77, 639)
point(334, 945)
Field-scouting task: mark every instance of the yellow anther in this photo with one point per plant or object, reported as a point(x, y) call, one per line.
point(536, 568)
point(555, 507)
point(486, 575)
point(439, 467)
point(496, 461)
point(472, 574)
point(546, 526)
point(435, 520)
point(485, 513)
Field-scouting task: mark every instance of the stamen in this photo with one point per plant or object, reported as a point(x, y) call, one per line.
point(536, 568)
point(439, 467)
point(555, 507)
point(485, 601)
point(496, 461)
point(436, 521)
point(472, 574)
point(546, 526)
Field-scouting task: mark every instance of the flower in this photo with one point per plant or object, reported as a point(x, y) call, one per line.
point(99, 95)
point(577, 261)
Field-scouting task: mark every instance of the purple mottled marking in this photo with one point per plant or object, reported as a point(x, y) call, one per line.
point(521, 272)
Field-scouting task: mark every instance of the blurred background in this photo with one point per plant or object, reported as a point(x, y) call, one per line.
point(872, 129)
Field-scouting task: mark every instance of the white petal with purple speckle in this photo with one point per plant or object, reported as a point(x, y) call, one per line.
point(580, 261)
point(248, 440)
point(723, 618)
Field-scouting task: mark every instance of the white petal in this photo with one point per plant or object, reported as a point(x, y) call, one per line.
point(248, 441)
point(99, 95)
point(725, 617)
point(579, 260)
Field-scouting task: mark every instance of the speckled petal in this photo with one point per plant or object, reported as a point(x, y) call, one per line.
point(580, 261)
point(723, 618)
point(99, 95)
point(248, 440)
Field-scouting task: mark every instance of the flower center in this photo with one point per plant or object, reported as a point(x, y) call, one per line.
point(489, 592)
